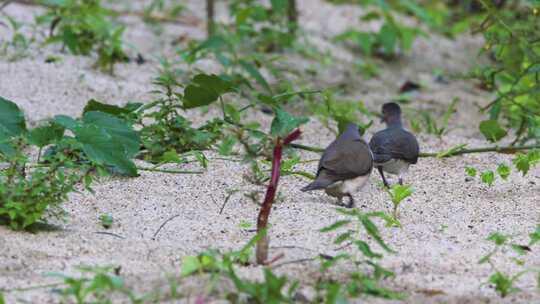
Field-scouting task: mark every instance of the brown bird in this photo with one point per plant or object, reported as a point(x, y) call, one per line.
point(394, 148)
point(344, 167)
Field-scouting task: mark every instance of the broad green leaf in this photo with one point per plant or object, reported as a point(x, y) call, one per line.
point(103, 148)
point(66, 122)
point(12, 121)
point(284, 123)
point(491, 130)
point(45, 135)
point(204, 90)
point(119, 130)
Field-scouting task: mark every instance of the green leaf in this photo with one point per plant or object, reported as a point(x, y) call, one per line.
point(2, 299)
point(471, 171)
point(366, 250)
point(343, 237)
point(535, 236)
point(190, 264)
point(94, 105)
point(12, 121)
point(102, 148)
point(503, 170)
point(373, 231)
point(491, 130)
point(284, 123)
point(498, 238)
point(400, 192)
point(204, 90)
point(335, 226)
point(45, 135)
point(254, 72)
point(227, 144)
point(106, 220)
point(488, 177)
point(388, 38)
point(66, 122)
point(119, 130)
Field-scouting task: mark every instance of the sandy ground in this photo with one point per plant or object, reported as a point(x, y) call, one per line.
point(445, 222)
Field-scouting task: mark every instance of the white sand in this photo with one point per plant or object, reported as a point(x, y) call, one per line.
point(430, 257)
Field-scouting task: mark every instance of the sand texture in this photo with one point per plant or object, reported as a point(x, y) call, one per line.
point(445, 222)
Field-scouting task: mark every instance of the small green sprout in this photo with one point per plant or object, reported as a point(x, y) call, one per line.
point(398, 193)
point(106, 220)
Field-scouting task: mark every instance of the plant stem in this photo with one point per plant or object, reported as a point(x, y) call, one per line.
point(499, 149)
point(169, 171)
point(264, 213)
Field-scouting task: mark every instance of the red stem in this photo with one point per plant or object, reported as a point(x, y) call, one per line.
point(264, 213)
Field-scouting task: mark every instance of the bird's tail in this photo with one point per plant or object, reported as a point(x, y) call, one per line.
point(315, 185)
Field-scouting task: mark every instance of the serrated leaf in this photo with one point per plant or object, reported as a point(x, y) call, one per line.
point(491, 130)
point(335, 226)
point(366, 250)
point(373, 231)
point(284, 123)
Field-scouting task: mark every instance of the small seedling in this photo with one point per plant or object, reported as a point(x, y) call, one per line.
point(504, 283)
point(106, 220)
point(96, 285)
point(397, 194)
point(488, 177)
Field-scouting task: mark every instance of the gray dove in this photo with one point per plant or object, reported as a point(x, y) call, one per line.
point(344, 167)
point(394, 148)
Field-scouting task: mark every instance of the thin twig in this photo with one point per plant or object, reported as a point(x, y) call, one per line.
point(294, 262)
point(226, 201)
point(109, 233)
point(163, 224)
point(274, 259)
point(22, 289)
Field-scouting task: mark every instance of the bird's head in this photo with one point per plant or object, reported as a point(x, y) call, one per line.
point(391, 113)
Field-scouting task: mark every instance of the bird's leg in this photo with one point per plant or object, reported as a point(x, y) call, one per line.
point(351, 201)
point(383, 178)
point(400, 180)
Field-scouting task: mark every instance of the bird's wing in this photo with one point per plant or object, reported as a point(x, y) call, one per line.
point(394, 143)
point(351, 160)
